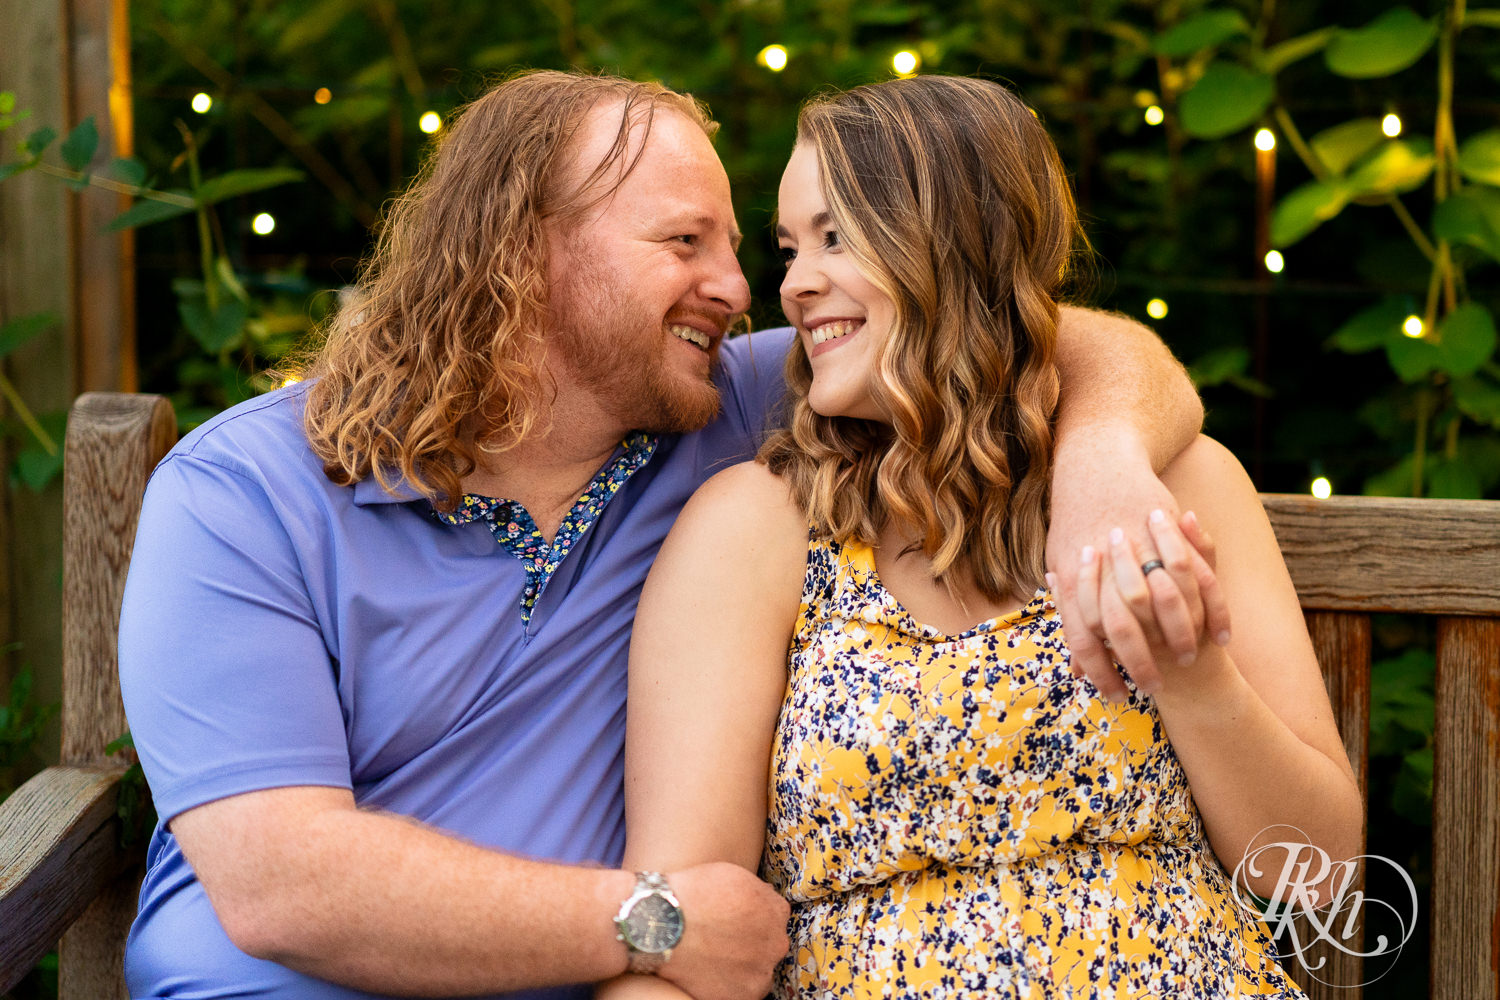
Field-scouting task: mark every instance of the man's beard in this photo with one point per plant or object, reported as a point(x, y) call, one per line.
point(621, 354)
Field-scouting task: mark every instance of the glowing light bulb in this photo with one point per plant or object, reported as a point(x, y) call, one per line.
point(1413, 327)
point(1274, 261)
point(1391, 125)
point(322, 95)
point(263, 224)
point(430, 122)
point(1144, 98)
point(1265, 140)
point(202, 102)
point(1156, 308)
point(773, 58)
point(1322, 488)
point(905, 62)
point(1155, 115)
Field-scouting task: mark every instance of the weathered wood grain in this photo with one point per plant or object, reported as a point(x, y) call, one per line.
point(1466, 812)
point(58, 850)
point(1342, 642)
point(1390, 554)
point(114, 441)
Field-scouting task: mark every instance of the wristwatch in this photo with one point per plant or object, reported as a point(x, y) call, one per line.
point(650, 922)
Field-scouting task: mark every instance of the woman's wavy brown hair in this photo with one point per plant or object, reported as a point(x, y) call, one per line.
point(952, 200)
point(435, 357)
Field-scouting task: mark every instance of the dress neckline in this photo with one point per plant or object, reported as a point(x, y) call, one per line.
point(863, 556)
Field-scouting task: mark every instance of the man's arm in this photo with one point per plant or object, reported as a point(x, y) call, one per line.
point(1128, 408)
point(379, 902)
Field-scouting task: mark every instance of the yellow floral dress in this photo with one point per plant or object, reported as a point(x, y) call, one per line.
point(958, 817)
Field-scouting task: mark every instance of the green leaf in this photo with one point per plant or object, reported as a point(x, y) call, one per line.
point(124, 742)
point(1278, 57)
point(1478, 400)
point(1466, 338)
point(1470, 216)
point(1479, 157)
point(238, 182)
point(1454, 481)
point(1305, 209)
point(1342, 145)
point(22, 329)
point(7, 101)
point(1413, 358)
point(1399, 165)
point(1372, 328)
point(39, 140)
point(9, 170)
point(35, 468)
point(213, 330)
point(1209, 27)
point(144, 213)
point(79, 147)
point(128, 171)
point(1393, 482)
point(1227, 98)
point(1388, 44)
point(1217, 367)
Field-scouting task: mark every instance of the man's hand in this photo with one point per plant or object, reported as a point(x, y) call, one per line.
point(734, 933)
point(1103, 490)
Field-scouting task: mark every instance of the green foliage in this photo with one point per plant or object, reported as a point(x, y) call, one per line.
point(22, 724)
point(1388, 44)
point(1225, 100)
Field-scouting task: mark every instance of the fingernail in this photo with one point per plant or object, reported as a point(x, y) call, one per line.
point(1187, 659)
point(1087, 555)
point(1222, 638)
point(1116, 536)
point(1157, 517)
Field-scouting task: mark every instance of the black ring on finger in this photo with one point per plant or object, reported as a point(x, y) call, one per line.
point(1152, 564)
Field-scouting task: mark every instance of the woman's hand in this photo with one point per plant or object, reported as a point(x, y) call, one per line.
point(1157, 600)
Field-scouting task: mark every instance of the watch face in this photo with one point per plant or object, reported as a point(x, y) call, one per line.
point(654, 925)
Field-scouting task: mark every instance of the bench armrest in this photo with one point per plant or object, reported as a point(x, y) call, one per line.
point(59, 848)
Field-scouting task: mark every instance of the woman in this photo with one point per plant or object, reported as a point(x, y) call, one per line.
point(953, 813)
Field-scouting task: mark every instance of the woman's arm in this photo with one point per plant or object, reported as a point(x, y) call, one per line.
point(707, 677)
point(1251, 723)
point(1127, 410)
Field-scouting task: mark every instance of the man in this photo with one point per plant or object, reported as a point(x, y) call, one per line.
point(374, 637)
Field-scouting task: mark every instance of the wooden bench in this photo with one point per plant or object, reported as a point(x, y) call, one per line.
point(64, 876)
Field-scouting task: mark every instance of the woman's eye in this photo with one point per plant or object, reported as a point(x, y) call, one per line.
point(831, 239)
point(787, 255)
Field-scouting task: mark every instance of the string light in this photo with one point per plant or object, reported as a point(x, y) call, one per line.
point(263, 224)
point(290, 380)
point(773, 58)
point(1322, 488)
point(1274, 261)
point(1144, 98)
point(1391, 125)
point(1412, 327)
point(1155, 115)
point(905, 62)
point(322, 95)
point(1156, 308)
point(202, 102)
point(1265, 140)
point(430, 122)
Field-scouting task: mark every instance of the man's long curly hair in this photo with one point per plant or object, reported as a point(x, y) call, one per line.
point(952, 200)
point(435, 358)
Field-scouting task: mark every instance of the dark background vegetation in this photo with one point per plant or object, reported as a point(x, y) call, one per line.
point(1304, 373)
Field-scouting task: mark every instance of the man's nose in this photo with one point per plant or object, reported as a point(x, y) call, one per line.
point(725, 284)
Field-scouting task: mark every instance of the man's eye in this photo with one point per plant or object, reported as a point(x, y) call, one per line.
point(687, 238)
point(787, 255)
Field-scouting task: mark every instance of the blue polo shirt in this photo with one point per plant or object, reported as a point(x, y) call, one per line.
point(280, 630)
